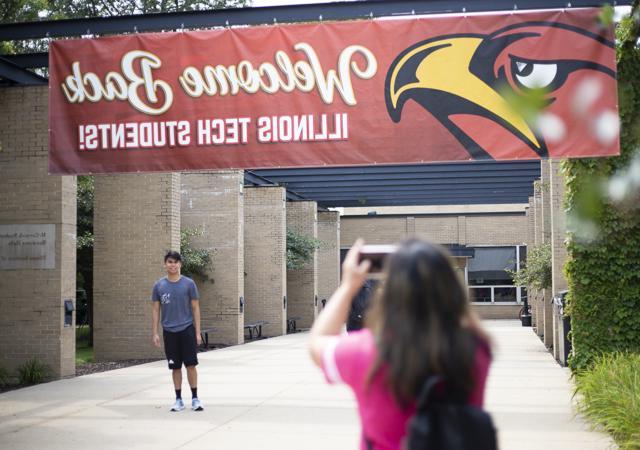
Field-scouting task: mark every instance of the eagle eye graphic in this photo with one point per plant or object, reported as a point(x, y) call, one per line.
point(534, 75)
point(461, 80)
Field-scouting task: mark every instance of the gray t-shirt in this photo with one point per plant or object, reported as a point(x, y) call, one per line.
point(175, 300)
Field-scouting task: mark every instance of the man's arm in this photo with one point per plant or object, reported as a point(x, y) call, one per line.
point(195, 308)
point(155, 319)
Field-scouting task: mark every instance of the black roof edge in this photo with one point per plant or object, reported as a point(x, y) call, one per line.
point(252, 179)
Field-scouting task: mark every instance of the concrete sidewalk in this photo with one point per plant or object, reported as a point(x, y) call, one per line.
point(267, 395)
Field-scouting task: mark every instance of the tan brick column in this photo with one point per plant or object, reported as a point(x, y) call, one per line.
point(265, 264)
point(32, 299)
point(136, 220)
point(538, 236)
point(558, 227)
point(558, 249)
point(302, 284)
point(328, 255)
point(214, 203)
point(546, 238)
point(531, 295)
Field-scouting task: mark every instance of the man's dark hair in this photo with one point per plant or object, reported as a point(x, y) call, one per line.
point(173, 255)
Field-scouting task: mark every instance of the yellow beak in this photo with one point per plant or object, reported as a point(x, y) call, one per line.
point(445, 68)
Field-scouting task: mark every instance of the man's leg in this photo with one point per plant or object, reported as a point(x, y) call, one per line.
point(190, 355)
point(192, 377)
point(172, 350)
point(176, 374)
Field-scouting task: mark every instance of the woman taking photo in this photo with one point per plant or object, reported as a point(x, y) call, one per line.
point(419, 325)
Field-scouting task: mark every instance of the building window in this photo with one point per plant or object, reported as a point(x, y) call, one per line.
point(487, 276)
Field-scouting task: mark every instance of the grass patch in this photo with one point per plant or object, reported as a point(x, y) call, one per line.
point(82, 333)
point(4, 377)
point(84, 352)
point(84, 355)
point(609, 395)
point(33, 372)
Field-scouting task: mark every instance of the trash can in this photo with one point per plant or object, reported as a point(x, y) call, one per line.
point(525, 313)
point(561, 329)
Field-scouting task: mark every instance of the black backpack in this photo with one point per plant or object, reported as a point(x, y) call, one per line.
point(442, 423)
point(359, 305)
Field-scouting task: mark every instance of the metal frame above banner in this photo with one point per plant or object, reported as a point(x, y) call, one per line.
point(274, 14)
point(244, 16)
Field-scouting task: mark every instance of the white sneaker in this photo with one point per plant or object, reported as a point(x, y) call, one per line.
point(178, 405)
point(196, 405)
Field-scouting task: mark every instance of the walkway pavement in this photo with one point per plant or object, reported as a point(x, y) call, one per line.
point(266, 395)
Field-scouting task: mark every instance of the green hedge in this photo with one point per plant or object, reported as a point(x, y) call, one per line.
point(609, 395)
point(604, 273)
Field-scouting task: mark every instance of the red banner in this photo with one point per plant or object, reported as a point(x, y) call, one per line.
point(441, 88)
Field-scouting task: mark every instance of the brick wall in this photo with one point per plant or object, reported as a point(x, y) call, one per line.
point(328, 255)
point(214, 203)
point(302, 284)
point(496, 230)
point(136, 220)
point(265, 241)
point(496, 311)
point(32, 300)
point(374, 230)
point(484, 229)
point(437, 229)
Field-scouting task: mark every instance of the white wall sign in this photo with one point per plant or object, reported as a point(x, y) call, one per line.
point(27, 246)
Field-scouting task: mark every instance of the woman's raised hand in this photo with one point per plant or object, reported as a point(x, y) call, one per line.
point(354, 271)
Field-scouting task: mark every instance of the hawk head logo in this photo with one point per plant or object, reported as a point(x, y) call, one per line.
point(467, 81)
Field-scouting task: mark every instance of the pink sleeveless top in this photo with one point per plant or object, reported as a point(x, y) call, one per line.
point(349, 358)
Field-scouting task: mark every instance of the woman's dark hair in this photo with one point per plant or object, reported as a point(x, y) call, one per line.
point(418, 320)
point(173, 255)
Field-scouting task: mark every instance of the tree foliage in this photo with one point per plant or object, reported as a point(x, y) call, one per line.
point(84, 249)
point(12, 11)
point(15, 11)
point(300, 249)
point(536, 272)
point(106, 8)
point(195, 261)
point(603, 272)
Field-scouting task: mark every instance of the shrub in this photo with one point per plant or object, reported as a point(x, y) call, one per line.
point(195, 261)
point(537, 270)
point(4, 377)
point(300, 249)
point(33, 372)
point(609, 395)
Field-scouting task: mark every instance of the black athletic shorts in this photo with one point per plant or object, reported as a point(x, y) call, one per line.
point(180, 347)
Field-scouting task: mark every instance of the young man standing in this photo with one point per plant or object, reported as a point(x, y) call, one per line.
point(178, 297)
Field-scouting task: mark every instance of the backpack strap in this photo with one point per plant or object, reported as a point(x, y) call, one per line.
point(368, 442)
point(426, 391)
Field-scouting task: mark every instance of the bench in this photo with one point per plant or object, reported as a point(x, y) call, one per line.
point(291, 324)
point(255, 328)
point(204, 334)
